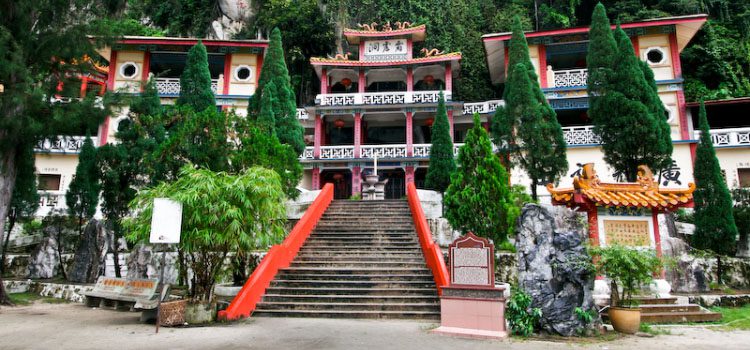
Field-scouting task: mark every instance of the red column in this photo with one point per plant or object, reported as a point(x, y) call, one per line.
point(357, 135)
point(409, 174)
point(318, 135)
point(356, 180)
point(362, 81)
point(682, 110)
point(636, 46)
point(409, 79)
point(84, 86)
point(258, 69)
point(593, 227)
point(448, 77)
point(657, 239)
point(324, 81)
point(450, 122)
point(146, 69)
point(409, 48)
point(316, 178)
point(676, 65)
point(543, 66)
point(228, 73)
point(409, 134)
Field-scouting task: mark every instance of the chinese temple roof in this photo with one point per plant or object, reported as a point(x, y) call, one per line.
point(645, 193)
point(344, 61)
point(417, 33)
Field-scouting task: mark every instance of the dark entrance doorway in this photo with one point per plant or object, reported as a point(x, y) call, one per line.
point(419, 177)
point(341, 180)
point(396, 186)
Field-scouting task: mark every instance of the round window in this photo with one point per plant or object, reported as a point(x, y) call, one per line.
point(243, 73)
point(655, 55)
point(129, 70)
point(668, 114)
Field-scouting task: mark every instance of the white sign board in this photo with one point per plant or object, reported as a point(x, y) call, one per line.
point(376, 50)
point(166, 221)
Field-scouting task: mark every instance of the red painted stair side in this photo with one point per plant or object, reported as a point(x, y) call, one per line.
point(431, 250)
point(278, 257)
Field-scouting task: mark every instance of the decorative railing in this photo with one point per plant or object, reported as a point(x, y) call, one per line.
point(278, 257)
point(171, 86)
point(302, 114)
point(420, 150)
point(336, 152)
point(728, 137)
point(482, 107)
point(380, 98)
point(62, 144)
point(383, 151)
point(581, 135)
point(566, 78)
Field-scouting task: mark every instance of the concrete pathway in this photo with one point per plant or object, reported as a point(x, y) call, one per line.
point(74, 326)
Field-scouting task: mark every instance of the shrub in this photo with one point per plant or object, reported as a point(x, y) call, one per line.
point(522, 318)
point(629, 268)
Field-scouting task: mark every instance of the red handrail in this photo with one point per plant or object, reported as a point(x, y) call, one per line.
point(432, 253)
point(278, 257)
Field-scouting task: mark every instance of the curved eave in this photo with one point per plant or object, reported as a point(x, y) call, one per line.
point(416, 33)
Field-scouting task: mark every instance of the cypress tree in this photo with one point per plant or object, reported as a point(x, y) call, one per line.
point(83, 194)
point(195, 81)
point(25, 199)
point(479, 198)
point(601, 56)
point(442, 162)
point(528, 118)
point(715, 228)
point(288, 129)
point(266, 119)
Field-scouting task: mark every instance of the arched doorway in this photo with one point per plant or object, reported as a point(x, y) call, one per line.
point(341, 180)
point(396, 186)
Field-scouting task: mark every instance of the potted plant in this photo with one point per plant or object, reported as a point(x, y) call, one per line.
point(627, 269)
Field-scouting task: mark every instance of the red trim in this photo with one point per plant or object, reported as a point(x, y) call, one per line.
point(448, 77)
point(362, 81)
point(636, 46)
point(506, 36)
point(543, 66)
point(431, 250)
point(693, 150)
point(318, 135)
point(410, 134)
point(506, 57)
point(657, 240)
point(324, 81)
point(112, 71)
point(396, 32)
point(84, 86)
point(105, 132)
point(593, 227)
point(682, 110)
point(720, 102)
point(676, 65)
point(191, 42)
point(258, 68)
point(357, 134)
point(278, 257)
point(228, 72)
point(145, 68)
point(409, 79)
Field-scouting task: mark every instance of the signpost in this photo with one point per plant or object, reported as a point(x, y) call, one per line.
point(166, 224)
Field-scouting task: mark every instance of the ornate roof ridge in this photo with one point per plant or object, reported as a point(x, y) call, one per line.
point(386, 29)
point(411, 60)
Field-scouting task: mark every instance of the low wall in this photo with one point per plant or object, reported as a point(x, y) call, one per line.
point(70, 292)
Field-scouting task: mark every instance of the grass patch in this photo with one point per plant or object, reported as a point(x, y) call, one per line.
point(22, 299)
point(648, 328)
point(734, 318)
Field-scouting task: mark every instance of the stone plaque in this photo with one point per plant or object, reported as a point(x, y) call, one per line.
point(472, 261)
point(633, 233)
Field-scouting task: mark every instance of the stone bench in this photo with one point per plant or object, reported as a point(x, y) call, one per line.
point(121, 293)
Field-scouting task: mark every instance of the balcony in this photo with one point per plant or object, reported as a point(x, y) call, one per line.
point(482, 107)
point(380, 98)
point(171, 86)
point(62, 144)
point(581, 135)
point(302, 114)
point(371, 151)
point(566, 78)
point(728, 137)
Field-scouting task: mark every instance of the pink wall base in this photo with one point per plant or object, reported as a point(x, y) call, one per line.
point(472, 317)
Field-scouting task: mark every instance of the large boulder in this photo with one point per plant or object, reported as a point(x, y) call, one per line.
point(145, 261)
point(553, 267)
point(44, 260)
point(91, 253)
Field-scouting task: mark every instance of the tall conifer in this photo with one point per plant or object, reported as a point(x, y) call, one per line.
point(479, 198)
point(83, 193)
point(442, 161)
point(715, 228)
point(195, 81)
point(266, 119)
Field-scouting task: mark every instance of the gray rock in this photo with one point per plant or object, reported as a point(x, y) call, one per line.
point(91, 253)
point(552, 262)
point(743, 245)
point(506, 268)
point(44, 261)
point(144, 261)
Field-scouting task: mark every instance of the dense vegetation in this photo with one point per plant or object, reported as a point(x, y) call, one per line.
point(715, 65)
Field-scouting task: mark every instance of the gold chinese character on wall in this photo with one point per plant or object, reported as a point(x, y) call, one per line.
point(627, 232)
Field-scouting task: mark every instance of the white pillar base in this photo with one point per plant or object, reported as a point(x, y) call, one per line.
point(601, 292)
point(661, 288)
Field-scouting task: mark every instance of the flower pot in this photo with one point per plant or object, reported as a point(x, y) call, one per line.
point(624, 319)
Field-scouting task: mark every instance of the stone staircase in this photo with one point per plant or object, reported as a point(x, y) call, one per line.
point(668, 310)
point(363, 260)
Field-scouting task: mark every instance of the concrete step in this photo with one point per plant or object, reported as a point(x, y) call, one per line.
point(416, 254)
point(419, 315)
point(362, 270)
point(361, 249)
point(363, 240)
point(421, 277)
point(360, 245)
point(316, 290)
point(351, 298)
point(355, 264)
point(665, 308)
point(680, 317)
point(348, 306)
point(352, 284)
point(362, 258)
point(362, 235)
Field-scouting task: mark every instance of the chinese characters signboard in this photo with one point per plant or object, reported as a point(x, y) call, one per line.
point(631, 233)
point(384, 50)
point(472, 261)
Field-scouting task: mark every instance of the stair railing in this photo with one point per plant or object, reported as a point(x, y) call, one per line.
point(278, 257)
point(431, 250)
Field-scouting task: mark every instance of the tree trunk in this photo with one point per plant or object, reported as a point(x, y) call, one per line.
point(719, 270)
point(4, 299)
point(116, 247)
point(60, 251)
point(5, 243)
point(7, 183)
point(534, 183)
point(182, 276)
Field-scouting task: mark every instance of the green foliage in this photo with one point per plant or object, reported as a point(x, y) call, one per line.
point(586, 316)
point(266, 118)
point(741, 211)
point(195, 81)
point(522, 318)
point(683, 215)
point(626, 268)
point(734, 318)
point(221, 213)
point(715, 228)
point(274, 78)
point(185, 18)
point(624, 105)
point(479, 199)
point(25, 199)
point(442, 161)
point(83, 193)
point(506, 246)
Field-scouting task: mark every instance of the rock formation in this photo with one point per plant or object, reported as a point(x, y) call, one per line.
point(91, 253)
point(554, 267)
point(44, 261)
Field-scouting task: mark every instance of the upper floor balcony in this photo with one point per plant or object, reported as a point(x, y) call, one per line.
point(566, 77)
point(171, 86)
point(62, 144)
point(380, 98)
point(735, 137)
point(372, 151)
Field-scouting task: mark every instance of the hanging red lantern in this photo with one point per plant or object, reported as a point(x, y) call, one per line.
point(429, 121)
point(338, 176)
point(339, 123)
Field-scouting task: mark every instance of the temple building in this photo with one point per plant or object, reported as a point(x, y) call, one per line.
point(378, 101)
point(234, 66)
point(560, 59)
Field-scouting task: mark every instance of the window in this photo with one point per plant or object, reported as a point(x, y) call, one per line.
point(744, 176)
point(243, 73)
point(48, 182)
point(655, 56)
point(129, 70)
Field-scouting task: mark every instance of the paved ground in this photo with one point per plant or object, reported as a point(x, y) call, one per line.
point(74, 326)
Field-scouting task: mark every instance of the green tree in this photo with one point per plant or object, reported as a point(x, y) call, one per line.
point(266, 118)
point(195, 81)
point(82, 196)
point(288, 129)
point(442, 161)
point(221, 213)
point(526, 130)
point(479, 198)
point(715, 228)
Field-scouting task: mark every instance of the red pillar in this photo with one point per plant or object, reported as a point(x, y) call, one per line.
point(259, 67)
point(450, 122)
point(448, 77)
point(593, 227)
point(318, 135)
point(682, 111)
point(543, 66)
point(228, 74)
point(324, 81)
point(409, 79)
point(362, 81)
point(357, 136)
point(657, 239)
point(409, 134)
point(409, 174)
point(356, 180)
point(316, 178)
point(84, 86)
point(146, 69)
